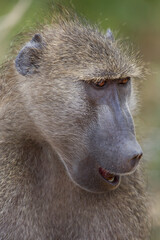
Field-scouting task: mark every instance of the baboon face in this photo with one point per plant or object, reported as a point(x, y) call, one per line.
point(77, 89)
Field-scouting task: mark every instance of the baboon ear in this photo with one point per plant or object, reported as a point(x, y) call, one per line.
point(28, 59)
point(109, 35)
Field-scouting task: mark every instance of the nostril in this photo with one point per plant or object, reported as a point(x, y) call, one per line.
point(135, 160)
point(139, 156)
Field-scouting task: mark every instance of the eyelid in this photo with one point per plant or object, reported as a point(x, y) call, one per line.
point(100, 83)
point(124, 81)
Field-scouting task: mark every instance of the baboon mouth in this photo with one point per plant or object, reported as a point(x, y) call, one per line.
point(109, 177)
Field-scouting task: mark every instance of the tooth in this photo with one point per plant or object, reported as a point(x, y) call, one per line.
point(111, 179)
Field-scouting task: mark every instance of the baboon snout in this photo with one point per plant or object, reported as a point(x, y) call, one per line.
point(119, 155)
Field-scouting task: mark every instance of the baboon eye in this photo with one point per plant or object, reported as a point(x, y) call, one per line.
point(123, 80)
point(100, 84)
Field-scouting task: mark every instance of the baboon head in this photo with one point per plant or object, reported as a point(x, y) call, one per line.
point(77, 90)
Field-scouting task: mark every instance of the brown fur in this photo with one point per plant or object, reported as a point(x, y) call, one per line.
point(37, 198)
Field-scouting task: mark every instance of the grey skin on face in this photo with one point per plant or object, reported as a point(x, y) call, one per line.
point(115, 150)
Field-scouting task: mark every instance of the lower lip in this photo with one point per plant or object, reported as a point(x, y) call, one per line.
point(111, 179)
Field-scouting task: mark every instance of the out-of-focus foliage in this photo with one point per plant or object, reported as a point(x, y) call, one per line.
point(138, 19)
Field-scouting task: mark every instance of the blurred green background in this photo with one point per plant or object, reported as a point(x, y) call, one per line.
point(138, 20)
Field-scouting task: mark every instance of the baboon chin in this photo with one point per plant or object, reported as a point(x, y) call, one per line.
point(66, 126)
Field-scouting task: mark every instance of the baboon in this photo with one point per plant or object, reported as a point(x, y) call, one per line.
point(68, 151)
